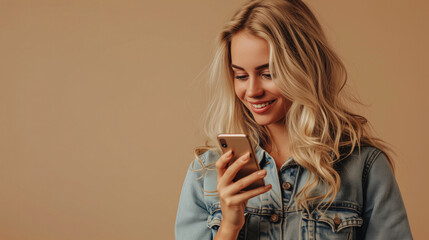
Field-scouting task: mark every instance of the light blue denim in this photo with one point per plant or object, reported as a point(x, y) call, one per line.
point(368, 205)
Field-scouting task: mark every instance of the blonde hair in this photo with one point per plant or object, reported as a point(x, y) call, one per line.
point(307, 71)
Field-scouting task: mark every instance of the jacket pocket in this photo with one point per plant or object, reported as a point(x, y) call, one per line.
point(337, 223)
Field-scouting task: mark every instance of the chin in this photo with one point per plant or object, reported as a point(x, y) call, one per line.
point(264, 122)
point(268, 121)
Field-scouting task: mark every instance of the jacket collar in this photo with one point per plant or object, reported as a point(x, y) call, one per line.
point(264, 158)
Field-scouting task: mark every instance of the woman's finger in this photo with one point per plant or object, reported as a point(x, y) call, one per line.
point(244, 182)
point(245, 196)
point(222, 162)
point(233, 169)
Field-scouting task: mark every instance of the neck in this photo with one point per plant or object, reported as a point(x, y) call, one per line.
point(280, 143)
point(279, 138)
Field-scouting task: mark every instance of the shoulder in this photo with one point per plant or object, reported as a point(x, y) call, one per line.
point(208, 157)
point(365, 156)
point(367, 165)
point(202, 170)
point(361, 162)
point(204, 159)
point(375, 160)
point(373, 157)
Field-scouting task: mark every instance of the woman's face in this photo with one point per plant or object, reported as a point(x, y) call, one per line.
point(252, 80)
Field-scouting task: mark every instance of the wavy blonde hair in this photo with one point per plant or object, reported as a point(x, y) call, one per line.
point(307, 71)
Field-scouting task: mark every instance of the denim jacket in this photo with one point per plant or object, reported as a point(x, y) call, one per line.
point(368, 204)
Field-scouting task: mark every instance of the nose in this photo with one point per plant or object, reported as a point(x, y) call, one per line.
point(254, 87)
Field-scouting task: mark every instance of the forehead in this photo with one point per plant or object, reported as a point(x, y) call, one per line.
point(249, 51)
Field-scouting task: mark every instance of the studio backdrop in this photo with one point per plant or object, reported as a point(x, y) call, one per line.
point(100, 105)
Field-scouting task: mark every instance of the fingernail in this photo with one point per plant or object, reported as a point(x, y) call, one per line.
point(262, 172)
point(268, 186)
point(229, 153)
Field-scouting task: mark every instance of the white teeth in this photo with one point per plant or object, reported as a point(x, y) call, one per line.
point(261, 105)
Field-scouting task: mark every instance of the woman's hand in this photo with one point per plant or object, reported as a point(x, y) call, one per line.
point(232, 199)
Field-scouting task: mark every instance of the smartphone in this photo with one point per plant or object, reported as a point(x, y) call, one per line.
point(240, 145)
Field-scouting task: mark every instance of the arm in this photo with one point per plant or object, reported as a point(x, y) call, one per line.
point(191, 219)
point(192, 214)
point(384, 214)
point(233, 199)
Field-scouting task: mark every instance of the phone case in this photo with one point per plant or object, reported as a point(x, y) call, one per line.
point(240, 145)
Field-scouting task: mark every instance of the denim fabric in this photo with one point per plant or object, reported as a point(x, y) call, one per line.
point(368, 205)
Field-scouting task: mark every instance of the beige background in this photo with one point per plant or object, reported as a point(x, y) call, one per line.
point(100, 103)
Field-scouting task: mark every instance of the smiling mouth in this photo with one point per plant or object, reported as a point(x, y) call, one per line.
point(262, 105)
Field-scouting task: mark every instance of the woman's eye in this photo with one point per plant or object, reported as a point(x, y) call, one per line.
point(243, 77)
point(266, 76)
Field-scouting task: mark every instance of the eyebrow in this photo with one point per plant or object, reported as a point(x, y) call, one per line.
point(257, 68)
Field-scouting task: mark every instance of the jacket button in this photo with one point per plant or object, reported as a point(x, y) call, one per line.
point(286, 186)
point(274, 218)
point(337, 220)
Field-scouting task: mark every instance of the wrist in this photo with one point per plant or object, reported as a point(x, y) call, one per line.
point(228, 231)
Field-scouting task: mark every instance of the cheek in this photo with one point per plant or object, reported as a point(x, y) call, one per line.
point(239, 90)
point(285, 106)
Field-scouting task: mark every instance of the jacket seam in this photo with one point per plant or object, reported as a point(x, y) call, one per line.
point(368, 165)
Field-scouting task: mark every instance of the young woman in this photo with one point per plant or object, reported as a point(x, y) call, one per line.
point(276, 79)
